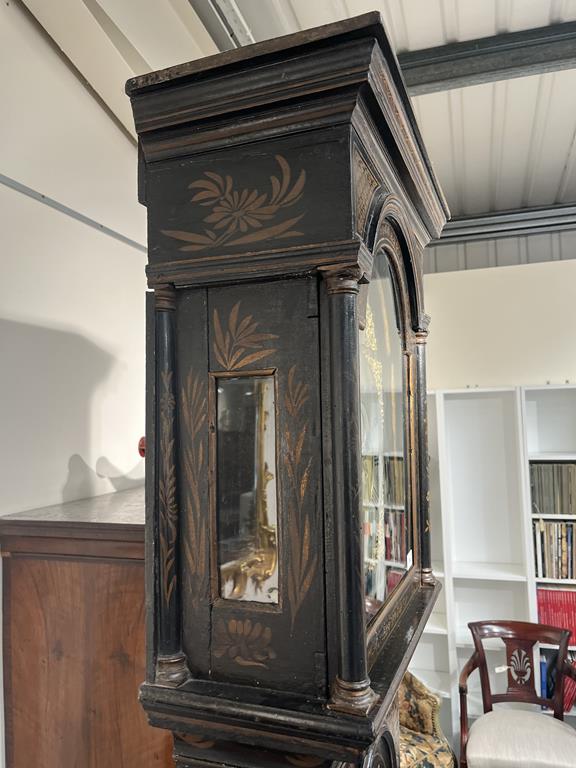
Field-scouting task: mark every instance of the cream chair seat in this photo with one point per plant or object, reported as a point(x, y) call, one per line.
point(507, 738)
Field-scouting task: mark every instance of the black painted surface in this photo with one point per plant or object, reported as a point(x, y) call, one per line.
point(261, 176)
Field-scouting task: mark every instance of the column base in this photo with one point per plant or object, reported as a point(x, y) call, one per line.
point(355, 698)
point(171, 670)
point(428, 577)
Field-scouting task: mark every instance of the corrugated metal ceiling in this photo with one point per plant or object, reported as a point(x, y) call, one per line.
point(495, 146)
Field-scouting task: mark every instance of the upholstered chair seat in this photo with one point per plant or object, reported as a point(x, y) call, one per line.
point(508, 738)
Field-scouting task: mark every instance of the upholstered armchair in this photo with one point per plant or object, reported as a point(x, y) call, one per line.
point(422, 743)
point(508, 738)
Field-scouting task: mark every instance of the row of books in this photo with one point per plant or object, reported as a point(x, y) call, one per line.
point(554, 550)
point(557, 607)
point(395, 535)
point(380, 581)
point(393, 480)
point(370, 479)
point(384, 535)
point(553, 487)
point(548, 677)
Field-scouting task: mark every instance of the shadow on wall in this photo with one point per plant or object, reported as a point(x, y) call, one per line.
point(83, 481)
point(48, 380)
point(120, 482)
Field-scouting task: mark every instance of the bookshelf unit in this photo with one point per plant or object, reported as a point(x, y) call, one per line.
point(482, 443)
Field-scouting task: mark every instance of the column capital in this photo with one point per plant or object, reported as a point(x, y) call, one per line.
point(343, 279)
point(421, 336)
point(165, 297)
point(421, 333)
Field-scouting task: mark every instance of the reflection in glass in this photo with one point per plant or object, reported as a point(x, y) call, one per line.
point(246, 489)
point(386, 524)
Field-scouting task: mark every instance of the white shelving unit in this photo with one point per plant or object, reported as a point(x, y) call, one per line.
point(481, 442)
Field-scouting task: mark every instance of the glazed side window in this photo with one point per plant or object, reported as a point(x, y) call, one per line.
point(386, 522)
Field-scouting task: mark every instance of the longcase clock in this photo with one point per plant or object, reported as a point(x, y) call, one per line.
point(289, 200)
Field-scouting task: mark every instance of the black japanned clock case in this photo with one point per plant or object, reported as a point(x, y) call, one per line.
point(274, 176)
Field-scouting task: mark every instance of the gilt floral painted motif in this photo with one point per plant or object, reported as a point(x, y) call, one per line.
point(243, 216)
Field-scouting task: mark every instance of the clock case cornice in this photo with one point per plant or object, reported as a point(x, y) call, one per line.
point(343, 76)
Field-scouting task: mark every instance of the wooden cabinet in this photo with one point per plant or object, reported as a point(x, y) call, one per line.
point(73, 628)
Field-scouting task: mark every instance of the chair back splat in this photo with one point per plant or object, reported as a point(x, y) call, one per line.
point(520, 639)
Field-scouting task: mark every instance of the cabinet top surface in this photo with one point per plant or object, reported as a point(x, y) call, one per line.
point(359, 25)
point(121, 511)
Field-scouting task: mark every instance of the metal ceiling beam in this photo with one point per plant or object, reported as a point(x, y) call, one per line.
point(224, 22)
point(501, 57)
point(523, 221)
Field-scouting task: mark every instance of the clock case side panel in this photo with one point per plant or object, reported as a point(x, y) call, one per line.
point(285, 311)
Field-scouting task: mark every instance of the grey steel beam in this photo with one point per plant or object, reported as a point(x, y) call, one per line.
point(224, 23)
point(486, 59)
point(515, 223)
point(6, 181)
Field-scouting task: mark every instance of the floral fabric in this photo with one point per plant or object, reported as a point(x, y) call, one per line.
point(422, 743)
point(424, 750)
point(419, 707)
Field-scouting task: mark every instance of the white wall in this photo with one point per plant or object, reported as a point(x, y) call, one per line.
point(71, 298)
point(502, 326)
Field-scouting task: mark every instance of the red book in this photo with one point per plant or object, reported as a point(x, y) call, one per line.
point(557, 607)
point(569, 693)
point(393, 578)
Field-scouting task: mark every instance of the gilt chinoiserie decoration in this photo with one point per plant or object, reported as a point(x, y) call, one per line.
point(289, 200)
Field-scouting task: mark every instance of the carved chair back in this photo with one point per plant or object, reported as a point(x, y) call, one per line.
point(519, 639)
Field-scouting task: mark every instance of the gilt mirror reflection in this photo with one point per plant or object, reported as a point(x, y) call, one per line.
point(246, 508)
point(386, 532)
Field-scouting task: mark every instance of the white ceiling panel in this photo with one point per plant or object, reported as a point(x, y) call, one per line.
point(110, 41)
point(273, 18)
point(313, 14)
point(75, 30)
point(48, 153)
point(156, 29)
point(557, 141)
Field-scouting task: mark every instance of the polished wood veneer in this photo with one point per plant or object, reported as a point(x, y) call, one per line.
point(73, 629)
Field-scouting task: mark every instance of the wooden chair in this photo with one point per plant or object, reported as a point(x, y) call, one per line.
point(513, 737)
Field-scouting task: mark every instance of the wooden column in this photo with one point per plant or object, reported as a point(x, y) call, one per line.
point(421, 421)
point(351, 690)
point(171, 668)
